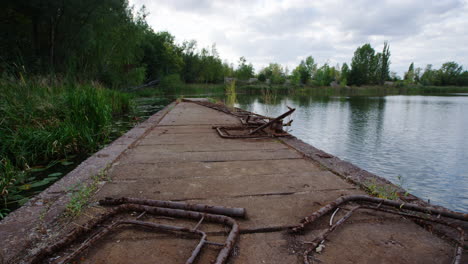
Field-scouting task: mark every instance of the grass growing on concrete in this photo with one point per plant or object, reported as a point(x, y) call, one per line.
point(81, 197)
point(42, 122)
point(83, 193)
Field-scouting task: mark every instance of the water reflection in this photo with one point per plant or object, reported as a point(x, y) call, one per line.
point(420, 138)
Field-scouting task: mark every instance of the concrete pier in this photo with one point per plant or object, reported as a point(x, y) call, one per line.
point(178, 156)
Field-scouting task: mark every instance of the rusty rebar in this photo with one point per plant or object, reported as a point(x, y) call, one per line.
point(291, 110)
point(212, 209)
point(245, 116)
point(223, 132)
point(331, 206)
point(324, 235)
point(364, 198)
point(93, 223)
point(238, 112)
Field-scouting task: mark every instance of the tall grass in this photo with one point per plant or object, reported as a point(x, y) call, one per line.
point(231, 95)
point(41, 122)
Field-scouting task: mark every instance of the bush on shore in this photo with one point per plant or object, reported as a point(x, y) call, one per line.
point(42, 122)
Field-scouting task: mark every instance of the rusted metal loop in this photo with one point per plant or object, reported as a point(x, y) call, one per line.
point(364, 198)
point(213, 209)
point(223, 132)
point(291, 110)
point(113, 226)
point(392, 204)
point(324, 235)
point(459, 241)
point(93, 223)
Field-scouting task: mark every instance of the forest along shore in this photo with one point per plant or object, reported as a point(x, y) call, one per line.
point(177, 155)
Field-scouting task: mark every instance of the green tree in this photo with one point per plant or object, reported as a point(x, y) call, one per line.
point(417, 75)
point(362, 65)
point(429, 77)
point(410, 75)
point(463, 79)
point(191, 66)
point(344, 74)
point(274, 72)
point(244, 71)
point(161, 55)
point(449, 73)
point(304, 71)
point(384, 64)
point(325, 75)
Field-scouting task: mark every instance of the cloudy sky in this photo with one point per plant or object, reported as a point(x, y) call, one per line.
point(287, 31)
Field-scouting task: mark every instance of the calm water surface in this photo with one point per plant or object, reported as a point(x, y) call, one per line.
point(423, 139)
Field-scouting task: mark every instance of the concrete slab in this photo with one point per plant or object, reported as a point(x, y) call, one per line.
point(131, 246)
point(193, 114)
point(388, 241)
point(198, 146)
point(215, 186)
point(183, 129)
point(151, 156)
point(183, 159)
point(266, 248)
point(200, 138)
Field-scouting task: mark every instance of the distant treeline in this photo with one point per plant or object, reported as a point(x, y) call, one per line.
point(367, 68)
point(107, 41)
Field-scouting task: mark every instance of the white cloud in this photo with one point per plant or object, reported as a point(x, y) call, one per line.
point(287, 31)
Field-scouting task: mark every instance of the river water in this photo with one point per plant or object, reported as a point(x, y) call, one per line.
point(417, 142)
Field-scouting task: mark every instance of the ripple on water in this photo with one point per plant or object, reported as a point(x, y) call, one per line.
point(423, 139)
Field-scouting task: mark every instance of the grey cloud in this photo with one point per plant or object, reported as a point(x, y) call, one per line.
point(189, 5)
point(393, 18)
point(284, 49)
point(283, 21)
point(201, 7)
point(285, 32)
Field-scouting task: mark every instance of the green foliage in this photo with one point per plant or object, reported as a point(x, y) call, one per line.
point(80, 198)
point(410, 74)
point(429, 76)
point(262, 77)
point(161, 55)
point(103, 41)
point(274, 72)
point(42, 122)
point(325, 75)
point(384, 64)
point(362, 65)
point(244, 71)
point(344, 74)
point(449, 74)
point(231, 94)
point(7, 180)
point(368, 67)
point(388, 192)
point(171, 82)
point(304, 71)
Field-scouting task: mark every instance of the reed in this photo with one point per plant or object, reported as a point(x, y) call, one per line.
point(42, 122)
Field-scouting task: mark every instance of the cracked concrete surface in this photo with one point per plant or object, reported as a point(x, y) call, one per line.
point(183, 159)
